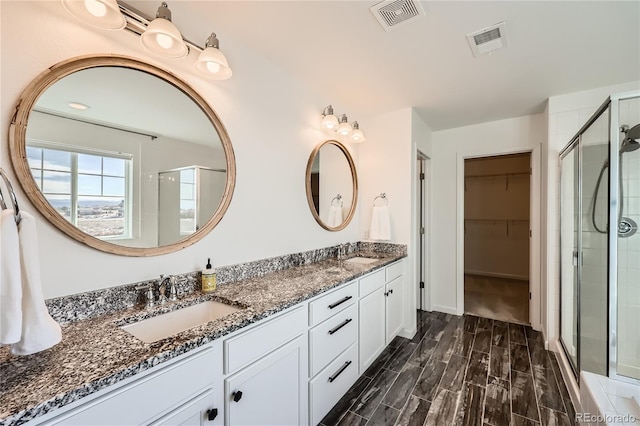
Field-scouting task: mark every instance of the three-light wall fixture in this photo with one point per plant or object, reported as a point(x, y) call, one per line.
point(159, 36)
point(341, 126)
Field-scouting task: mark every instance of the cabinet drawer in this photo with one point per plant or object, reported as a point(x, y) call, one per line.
point(332, 383)
point(146, 399)
point(253, 344)
point(332, 303)
point(372, 282)
point(394, 270)
point(333, 336)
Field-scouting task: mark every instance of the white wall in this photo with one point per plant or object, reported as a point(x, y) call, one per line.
point(450, 147)
point(273, 122)
point(387, 163)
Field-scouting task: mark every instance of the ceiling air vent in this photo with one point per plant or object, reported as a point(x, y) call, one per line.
point(392, 14)
point(488, 39)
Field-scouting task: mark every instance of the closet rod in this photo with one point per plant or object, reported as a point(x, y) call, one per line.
point(498, 175)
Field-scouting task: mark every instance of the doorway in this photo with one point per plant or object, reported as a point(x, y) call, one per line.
point(497, 199)
point(422, 204)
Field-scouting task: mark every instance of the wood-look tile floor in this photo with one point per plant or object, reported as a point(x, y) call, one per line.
point(459, 371)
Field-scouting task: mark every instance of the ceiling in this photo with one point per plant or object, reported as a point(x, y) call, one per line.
point(339, 49)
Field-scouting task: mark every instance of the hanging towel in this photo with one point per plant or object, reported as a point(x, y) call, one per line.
point(335, 216)
point(39, 330)
point(10, 284)
point(380, 224)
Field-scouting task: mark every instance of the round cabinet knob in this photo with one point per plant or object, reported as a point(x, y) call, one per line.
point(237, 396)
point(391, 291)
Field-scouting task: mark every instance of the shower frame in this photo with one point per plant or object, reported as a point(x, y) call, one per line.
point(611, 104)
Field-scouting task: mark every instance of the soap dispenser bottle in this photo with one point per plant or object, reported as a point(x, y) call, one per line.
point(208, 278)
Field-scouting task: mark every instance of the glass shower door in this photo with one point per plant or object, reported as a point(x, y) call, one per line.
point(569, 225)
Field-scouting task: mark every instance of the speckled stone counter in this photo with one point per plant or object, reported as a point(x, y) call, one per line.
point(96, 352)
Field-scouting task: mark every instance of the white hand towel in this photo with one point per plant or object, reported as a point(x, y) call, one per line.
point(39, 330)
point(335, 216)
point(380, 228)
point(10, 284)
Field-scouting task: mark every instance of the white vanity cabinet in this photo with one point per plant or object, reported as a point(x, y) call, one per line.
point(381, 317)
point(181, 393)
point(333, 348)
point(267, 368)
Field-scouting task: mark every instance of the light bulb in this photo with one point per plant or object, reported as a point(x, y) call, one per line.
point(95, 7)
point(164, 41)
point(357, 136)
point(344, 128)
point(213, 67)
point(330, 122)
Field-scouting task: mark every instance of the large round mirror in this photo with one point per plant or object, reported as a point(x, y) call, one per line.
point(122, 156)
point(332, 185)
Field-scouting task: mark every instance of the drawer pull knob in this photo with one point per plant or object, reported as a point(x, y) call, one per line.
point(338, 327)
point(340, 302)
point(237, 396)
point(339, 372)
point(212, 414)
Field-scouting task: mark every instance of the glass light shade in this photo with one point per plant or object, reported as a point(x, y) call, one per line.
point(212, 64)
point(330, 122)
point(357, 136)
point(344, 129)
point(103, 14)
point(162, 38)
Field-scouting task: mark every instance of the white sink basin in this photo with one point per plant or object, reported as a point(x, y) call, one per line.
point(157, 328)
point(361, 260)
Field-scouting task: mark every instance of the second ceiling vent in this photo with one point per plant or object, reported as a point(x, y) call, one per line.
point(488, 39)
point(394, 13)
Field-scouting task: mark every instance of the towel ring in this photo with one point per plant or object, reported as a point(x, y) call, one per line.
point(382, 196)
point(337, 198)
point(12, 195)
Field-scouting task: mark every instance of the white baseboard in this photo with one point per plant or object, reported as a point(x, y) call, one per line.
point(567, 375)
point(445, 309)
point(408, 333)
point(497, 275)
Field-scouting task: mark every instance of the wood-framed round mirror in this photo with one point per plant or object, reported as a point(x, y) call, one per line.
point(122, 156)
point(332, 185)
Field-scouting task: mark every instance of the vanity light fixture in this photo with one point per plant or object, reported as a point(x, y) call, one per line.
point(329, 121)
point(103, 14)
point(159, 36)
point(162, 38)
point(341, 126)
point(212, 62)
point(357, 136)
point(344, 128)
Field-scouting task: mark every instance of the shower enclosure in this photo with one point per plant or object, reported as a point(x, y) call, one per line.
point(599, 242)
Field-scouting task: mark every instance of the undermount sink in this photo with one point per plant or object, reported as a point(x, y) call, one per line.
point(157, 328)
point(361, 260)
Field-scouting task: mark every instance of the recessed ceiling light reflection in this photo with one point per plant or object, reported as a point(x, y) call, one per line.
point(78, 106)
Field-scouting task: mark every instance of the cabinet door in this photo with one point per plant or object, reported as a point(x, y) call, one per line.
point(394, 296)
point(372, 327)
point(193, 413)
point(268, 392)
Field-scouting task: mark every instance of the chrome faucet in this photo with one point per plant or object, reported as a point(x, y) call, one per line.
point(342, 251)
point(162, 288)
point(150, 302)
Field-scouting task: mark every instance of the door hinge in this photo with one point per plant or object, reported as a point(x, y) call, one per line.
point(529, 295)
point(421, 284)
point(421, 176)
point(530, 233)
point(422, 230)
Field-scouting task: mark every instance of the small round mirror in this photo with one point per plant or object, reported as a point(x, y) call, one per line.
point(332, 185)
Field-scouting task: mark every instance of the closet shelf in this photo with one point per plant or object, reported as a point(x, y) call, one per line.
point(497, 175)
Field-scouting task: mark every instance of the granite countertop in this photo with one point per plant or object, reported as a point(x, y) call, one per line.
point(96, 353)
